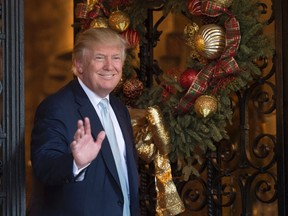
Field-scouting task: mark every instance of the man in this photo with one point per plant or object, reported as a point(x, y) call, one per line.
point(73, 159)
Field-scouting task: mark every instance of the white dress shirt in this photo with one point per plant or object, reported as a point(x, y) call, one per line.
point(95, 99)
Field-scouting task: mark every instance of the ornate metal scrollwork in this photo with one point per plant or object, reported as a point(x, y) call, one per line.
point(265, 187)
point(242, 170)
point(193, 194)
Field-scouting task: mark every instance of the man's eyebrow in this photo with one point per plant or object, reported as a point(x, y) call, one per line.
point(116, 54)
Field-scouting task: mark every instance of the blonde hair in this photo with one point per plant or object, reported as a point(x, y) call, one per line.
point(96, 36)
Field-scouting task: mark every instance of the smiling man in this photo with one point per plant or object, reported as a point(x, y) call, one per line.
point(82, 164)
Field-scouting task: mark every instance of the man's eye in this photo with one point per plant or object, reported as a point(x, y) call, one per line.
point(99, 57)
point(116, 58)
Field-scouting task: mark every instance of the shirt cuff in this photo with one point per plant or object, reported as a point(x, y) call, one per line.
point(79, 173)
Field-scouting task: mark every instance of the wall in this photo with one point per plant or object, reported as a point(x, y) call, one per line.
point(48, 35)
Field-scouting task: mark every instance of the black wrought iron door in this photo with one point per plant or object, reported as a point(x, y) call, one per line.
point(247, 175)
point(12, 169)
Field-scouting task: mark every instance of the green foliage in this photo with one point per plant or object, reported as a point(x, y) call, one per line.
point(191, 135)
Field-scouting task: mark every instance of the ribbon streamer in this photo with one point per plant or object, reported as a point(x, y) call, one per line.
point(153, 143)
point(225, 66)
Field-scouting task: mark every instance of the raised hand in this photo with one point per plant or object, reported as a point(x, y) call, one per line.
point(83, 147)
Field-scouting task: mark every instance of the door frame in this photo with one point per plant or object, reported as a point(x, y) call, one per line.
point(281, 65)
point(12, 160)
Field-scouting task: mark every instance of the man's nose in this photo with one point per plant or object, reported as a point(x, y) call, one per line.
point(108, 64)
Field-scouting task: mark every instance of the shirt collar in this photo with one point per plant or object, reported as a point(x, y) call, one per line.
point(94, 98)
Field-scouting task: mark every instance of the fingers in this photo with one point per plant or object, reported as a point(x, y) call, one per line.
point(87, 129)
point(79, 132)
point(100, 137)
point(77, 135)
point(73, 145)
point(81, 127)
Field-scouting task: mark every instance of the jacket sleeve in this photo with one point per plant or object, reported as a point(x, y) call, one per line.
point(51, 158)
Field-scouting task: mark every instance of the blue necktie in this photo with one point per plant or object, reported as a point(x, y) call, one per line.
point(110, 133)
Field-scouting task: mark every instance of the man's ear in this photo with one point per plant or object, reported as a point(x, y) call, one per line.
point(79, 66)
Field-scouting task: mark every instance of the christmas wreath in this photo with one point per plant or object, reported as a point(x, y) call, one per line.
point(226, 41)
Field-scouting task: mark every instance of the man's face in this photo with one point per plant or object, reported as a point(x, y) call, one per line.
point(103, 69)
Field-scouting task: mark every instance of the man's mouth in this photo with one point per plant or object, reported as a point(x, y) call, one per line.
point(106, 75)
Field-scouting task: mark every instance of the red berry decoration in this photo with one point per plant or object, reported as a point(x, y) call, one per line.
point(174, 73)
point(167, 91)
point(165, 95)
point(187, 77)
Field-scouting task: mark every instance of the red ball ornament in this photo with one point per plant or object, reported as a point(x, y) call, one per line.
point(187, 77)
point(194, 7)
point(132, 37)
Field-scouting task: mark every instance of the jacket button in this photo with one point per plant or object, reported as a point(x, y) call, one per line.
point(120, 203)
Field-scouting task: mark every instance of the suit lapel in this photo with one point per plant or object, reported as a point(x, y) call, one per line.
point(86, 109)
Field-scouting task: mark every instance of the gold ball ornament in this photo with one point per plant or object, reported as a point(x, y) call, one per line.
point(205, 106)
point(99, 22)
point(210, 41)
point(119, 21)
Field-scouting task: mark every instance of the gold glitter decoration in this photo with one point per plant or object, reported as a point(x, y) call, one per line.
point(99, 22)
point(205, 105)
point(119, 21)
point(224, 3)
point(143, 138)
point(91, 4)
point(159, 130)
point(190, 31)
point(153, 143)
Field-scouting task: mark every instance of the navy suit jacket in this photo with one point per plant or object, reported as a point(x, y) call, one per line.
point(56, 191)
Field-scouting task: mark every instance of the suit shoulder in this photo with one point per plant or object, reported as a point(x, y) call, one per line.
point(62, 96)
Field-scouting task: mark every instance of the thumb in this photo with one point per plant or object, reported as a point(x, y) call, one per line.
point(100, 137)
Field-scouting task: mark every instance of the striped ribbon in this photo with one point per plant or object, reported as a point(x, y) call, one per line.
point(226, 64)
